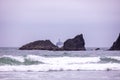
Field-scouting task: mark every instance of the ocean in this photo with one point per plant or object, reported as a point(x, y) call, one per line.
point(59, 65)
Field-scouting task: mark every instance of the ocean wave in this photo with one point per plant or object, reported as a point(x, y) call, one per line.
point(17, 60)
point(109, 60)
point(35, 59)
point(8, 59)
point(40, 63)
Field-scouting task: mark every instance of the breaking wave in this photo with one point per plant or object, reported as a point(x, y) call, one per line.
point(40, 63)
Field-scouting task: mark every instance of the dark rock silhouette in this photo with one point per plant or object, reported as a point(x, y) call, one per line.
point(97, 49)
point(39, 45)
point(77, 43)
point(116, 44)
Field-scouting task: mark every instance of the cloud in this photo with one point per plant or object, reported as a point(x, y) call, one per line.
point(40, 19)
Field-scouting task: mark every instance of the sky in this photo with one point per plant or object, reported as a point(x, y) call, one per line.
point(24, 21)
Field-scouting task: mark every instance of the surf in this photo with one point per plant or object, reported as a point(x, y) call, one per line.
point(41, 63)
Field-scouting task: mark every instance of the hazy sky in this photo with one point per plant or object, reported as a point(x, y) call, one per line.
point(23, 21)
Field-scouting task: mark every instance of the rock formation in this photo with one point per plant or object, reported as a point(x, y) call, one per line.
point(97, 49)
point(116, 44)
point(39, 45)
point(77, 43)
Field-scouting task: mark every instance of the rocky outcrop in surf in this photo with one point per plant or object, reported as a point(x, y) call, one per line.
point(77, 43)
point(39, 45)
point(116, 44)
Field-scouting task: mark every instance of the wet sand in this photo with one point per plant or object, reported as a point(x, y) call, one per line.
point(61, 75)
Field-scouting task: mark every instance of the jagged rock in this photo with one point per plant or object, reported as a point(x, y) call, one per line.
point(76, 43)
point(39, 45)
point(116, 44)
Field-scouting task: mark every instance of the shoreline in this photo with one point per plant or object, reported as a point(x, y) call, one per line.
point(61, 75)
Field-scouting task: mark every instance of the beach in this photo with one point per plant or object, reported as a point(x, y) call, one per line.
point(61, 75)
point(59, 39)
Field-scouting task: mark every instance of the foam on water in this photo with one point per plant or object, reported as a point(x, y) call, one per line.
point(46, 67)
point(54, 60)
point(18, 58)
point(40, 63)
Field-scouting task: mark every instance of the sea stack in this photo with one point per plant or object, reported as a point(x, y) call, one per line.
point(39, 45)
point(116, 44)
point(77, 43)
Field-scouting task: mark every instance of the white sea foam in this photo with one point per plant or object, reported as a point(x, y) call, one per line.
point(60, 63)
point(46, 67)
point(63, 60)
point(35, 58)
point(59, 60)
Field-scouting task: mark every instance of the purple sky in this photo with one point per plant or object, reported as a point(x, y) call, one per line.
point(23, 21)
